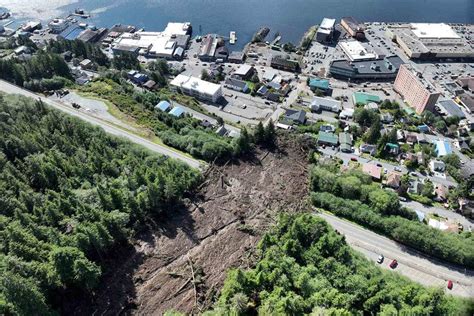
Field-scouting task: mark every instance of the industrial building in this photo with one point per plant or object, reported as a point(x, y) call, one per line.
point(417, 92)
point(244, 72)
point(58, 25)
point(429, 41)
point(155, 44)
point(378, 69)
point(353, 27)
point(31, 26)
point(198, 88)
point(208, 48)
point(325, 30)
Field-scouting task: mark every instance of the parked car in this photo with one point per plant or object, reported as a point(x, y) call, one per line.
point(398, 169)
point(379, 165)
point(380, 259)
point(450, 284)
point(393, 264)
point(353, 158)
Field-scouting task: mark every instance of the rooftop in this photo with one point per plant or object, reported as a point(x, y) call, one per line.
point(243, 70)
point(443, 148)
point(177, 111)
point(365, 98)
point(433, 30)
point(354, 50)
point(451, 108)
point(327, 24)
point(388, 65)
point(318, 83)
point(329, 138)
point(372, 170)
point(193, 83)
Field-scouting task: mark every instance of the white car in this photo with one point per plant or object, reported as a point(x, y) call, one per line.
point(380, 259)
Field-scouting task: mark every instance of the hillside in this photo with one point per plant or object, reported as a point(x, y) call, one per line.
point(69, 194)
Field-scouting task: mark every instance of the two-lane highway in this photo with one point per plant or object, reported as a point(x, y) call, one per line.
point(109, 128)
point(412, 264)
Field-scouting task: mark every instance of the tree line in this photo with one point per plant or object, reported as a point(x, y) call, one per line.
point(69, 193)
point(43, 71)
point(351, 195)
point(304, 267)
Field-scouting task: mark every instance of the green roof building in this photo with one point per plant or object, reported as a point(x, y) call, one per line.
point(325, 138)
point(365, 98)
point(345, 139)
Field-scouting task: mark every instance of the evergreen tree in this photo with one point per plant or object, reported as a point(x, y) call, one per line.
point(259, 134)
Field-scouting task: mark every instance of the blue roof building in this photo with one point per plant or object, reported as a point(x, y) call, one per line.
point(318, 84)
point(443, 148)
point(163, 106)
point(177, 111)
point(423, 128)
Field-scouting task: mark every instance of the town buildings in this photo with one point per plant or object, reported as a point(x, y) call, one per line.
point(417, 92)
point(198, 88)
point(429, 41)
point(326, 104)
point(353, 27)
point(325, 30)
point(377, 69)
point(279, 62)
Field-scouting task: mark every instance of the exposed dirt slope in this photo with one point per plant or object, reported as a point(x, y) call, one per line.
point(182, 262)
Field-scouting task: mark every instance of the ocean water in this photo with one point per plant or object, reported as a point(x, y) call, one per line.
point(291, 18)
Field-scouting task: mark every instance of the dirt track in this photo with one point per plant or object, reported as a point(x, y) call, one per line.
point(182, 262)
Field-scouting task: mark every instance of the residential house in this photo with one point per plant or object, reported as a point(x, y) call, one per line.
point(443, 148)
point(327, 128)
point(411, 139)
point(386, 118)
point(150, 85)
point(441, 193)
point(221, 131)
point(86, 64)
point(372, 170)
point(415, 187)
point(368, 149)
point(325, 138)
point(345, 140)
point(237, 85)
point(294, 117)
point(423, 128)
point(392, 149)
point(437, 166)
point(420, 158)
point(393, 180)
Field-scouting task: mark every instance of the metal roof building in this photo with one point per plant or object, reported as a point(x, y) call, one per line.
point(177, 111)
point(163, 106)
point(450, 108)
point(443, 148)
point(378, 69)
point(326, 104)
point(364, 98)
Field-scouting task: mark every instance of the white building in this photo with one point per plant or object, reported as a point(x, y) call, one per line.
point(325, 30)
point(355, 51)
point(197, 88)
point(326, 104)
point(58, 25)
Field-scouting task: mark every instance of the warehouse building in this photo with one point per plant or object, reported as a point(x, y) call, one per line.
point(198, 88)
point(415, 90)
point(353, 27)
point(325, 30)
point(154, 44)
point(58, 25)
point(430, 40)
point(378, 69)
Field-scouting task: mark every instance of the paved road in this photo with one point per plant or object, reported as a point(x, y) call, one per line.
point(467, 223)
point(109, 128)
point(412, 264)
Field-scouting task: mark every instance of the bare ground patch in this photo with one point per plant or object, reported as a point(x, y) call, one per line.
point(181, 262)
